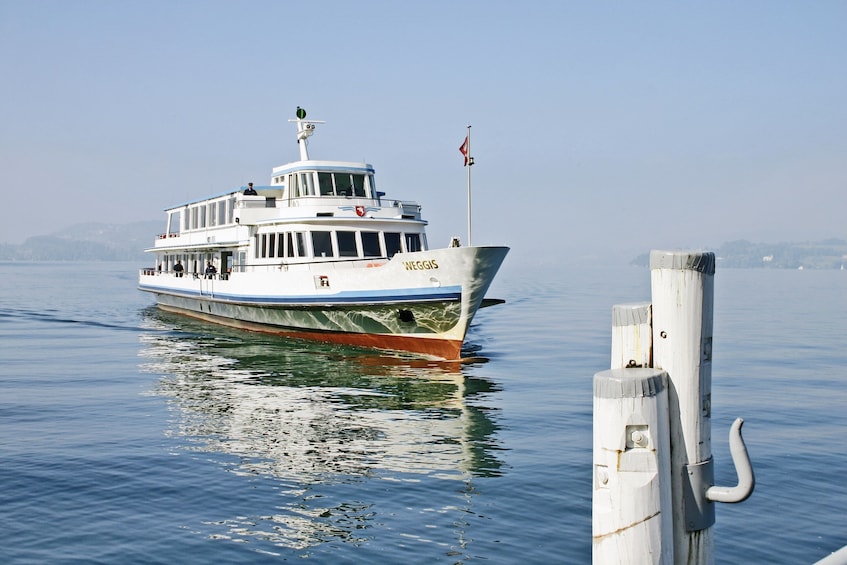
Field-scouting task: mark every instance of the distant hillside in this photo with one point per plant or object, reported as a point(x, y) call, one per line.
point(827, 254)
point(87, 242)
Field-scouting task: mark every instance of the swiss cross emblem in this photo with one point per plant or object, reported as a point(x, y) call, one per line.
point(360, 210)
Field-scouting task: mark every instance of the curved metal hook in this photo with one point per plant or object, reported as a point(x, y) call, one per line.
point(743, 468)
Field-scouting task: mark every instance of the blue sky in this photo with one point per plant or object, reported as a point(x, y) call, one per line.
point(600, 129)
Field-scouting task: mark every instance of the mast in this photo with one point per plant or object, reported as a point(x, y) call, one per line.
point(466, 151)
point(305, 128)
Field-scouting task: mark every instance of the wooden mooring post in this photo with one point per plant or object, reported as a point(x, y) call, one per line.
point(653, 497)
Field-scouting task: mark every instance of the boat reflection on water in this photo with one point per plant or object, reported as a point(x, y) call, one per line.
point(313, 414)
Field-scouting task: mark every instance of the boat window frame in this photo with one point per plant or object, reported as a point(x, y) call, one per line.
point(346, 252)
point(412, 237)
point(322, 186)
point(272, 245)
point(321, 246)
point(399, 248)
point(337, 178)
point(174, 221)
point(379, 246)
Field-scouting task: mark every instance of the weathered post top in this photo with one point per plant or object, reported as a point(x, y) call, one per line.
point(702, 261)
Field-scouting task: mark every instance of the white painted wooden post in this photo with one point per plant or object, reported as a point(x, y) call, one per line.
point(631, 336)
point(683, 300)
point(631, 502)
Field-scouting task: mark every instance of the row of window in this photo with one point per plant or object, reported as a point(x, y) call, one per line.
point(196, 263)
point(321, 243)
point(328, 184)
point(207, 214)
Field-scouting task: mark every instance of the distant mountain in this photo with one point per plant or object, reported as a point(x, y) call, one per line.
point(87, 242)
point(827, 254)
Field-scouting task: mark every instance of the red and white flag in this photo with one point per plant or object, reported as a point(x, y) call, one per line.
point(464, 150)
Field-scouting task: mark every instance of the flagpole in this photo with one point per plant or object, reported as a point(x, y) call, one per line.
point(469, 164)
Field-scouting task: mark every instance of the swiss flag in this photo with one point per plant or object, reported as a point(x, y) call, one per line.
point(464, 150)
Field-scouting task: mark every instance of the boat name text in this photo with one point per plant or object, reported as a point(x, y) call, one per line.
point(420, 265)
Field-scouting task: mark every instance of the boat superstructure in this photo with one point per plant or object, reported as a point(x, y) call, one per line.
point(320, 253)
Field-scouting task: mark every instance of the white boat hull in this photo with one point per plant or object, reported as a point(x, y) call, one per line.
point(420, 302)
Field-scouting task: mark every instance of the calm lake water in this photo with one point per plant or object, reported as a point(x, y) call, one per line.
point(128, 435)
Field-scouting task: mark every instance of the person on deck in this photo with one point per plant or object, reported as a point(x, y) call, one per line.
point(250, 191)
point(178, 268)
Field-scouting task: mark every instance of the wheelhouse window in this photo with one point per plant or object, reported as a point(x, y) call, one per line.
point(358, 185)
point(374, 193)
point(343, 184)
point(325, 184)
point(307, 184)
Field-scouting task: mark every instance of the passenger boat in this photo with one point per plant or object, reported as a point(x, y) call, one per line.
point(321, 254)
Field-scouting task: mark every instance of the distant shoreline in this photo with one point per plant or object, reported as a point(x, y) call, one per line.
point(127, 242)
point(826, 254)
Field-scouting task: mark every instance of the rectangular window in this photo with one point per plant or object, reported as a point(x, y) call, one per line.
point(359, 186)
point(347, 244)
point(264, 245)
point(173, 224)
point(392, 244)
point(413, 242)
point(307, 183)
point(213, 213)
point(271, 245)
point(322, 244)
point(289, 248)
point(300, 244)
point(343, 184)
point(374, 193)
point(294, 187)
point(257, 246)
point(280, 238)
point(325, 183)
point(221, 212)
point(370, 244)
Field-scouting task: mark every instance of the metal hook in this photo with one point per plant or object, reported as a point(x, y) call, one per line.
point(743, 468)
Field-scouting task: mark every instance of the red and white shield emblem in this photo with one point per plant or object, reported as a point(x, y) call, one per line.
point(360, 211)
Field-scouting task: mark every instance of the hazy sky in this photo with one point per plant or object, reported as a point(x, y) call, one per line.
point(599, 128)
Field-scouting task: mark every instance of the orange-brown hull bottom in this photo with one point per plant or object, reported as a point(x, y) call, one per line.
point(448, 349)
